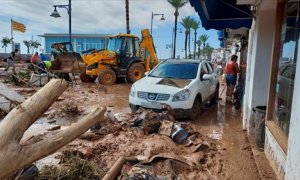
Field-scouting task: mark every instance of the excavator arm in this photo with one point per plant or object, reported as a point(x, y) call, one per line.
point(147, 50)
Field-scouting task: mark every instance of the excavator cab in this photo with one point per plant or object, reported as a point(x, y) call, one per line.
point(125, 46)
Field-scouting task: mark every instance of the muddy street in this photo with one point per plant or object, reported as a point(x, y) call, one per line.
point(228, 155)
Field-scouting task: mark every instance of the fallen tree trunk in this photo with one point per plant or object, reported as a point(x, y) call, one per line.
point(14, 156)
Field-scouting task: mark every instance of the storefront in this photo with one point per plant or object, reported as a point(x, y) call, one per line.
point(273, 76)
point(281, 142)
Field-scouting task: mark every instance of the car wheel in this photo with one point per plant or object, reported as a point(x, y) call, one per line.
point(215, 99)
point(196, 109)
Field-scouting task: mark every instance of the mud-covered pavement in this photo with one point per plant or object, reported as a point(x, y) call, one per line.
point(220, 149)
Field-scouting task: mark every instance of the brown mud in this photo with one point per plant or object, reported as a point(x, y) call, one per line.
point(220, 149)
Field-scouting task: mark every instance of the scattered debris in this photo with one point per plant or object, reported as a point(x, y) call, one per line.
point(90, 136)
point(179, 135)
point(72, 167)
point(166, 128)
point(53, 128)
point(70, 108)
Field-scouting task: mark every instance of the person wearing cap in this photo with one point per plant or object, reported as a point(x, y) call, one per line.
point(232, 70)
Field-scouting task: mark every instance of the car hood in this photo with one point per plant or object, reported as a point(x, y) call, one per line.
point(161, 85)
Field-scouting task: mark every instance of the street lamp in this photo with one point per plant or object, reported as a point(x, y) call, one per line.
point(55, 14)
point(162, 18)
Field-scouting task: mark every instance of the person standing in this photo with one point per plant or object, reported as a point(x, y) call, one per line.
point(232, 71)
point(35, 58)
point(10, 61)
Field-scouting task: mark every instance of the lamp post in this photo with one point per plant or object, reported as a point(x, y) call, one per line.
point(55, 14)
point(152, 15)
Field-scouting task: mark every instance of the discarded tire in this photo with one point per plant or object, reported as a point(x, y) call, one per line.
point(259, 118)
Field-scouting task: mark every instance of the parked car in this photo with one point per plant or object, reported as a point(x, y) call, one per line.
point(180, 85)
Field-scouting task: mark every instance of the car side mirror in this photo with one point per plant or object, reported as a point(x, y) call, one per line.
point(206, 77)
point(146, 73)
point(219, 69)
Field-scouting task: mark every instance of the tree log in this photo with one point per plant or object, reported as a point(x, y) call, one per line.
point(14, 156)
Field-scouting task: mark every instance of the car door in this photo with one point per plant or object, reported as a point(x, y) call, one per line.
point(214, 77)
point(204, 84)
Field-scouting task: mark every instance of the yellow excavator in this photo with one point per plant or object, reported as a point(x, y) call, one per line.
point(124, 57)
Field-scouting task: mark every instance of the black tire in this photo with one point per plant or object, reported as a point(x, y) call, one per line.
point(215, 98)
point(87, 78)
point(135, 72)
point(196, 109)
point(107, 77)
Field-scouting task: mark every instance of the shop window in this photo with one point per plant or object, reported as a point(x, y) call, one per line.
point(287, 66)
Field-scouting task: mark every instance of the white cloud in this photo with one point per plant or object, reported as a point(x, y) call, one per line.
point(88, 16)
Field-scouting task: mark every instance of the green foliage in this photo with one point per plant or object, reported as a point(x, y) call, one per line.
point(195, 25)
point(6, 41)
point(203, 38)
point(177, 3)
point(31, 44)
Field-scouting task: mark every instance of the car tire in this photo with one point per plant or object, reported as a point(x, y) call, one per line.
point(215, 98)
point(196, 109)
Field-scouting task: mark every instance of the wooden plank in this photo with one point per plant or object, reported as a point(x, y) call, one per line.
point(10, 94)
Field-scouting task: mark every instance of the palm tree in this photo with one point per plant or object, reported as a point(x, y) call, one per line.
point(35, 44)
point(27, 44)
point(177, 4)
point(5, 42)
point(199, 43)
point(195, 26)
point(203, 38)
point(127, 16)
point(187, 23)
point(209, 50)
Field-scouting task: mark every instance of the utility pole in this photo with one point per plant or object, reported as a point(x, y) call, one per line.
point(127, 15)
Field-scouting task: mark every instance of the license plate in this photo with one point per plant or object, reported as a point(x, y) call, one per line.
point(152, 105)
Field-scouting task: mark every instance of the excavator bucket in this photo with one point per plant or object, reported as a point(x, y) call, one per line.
point(65, 61)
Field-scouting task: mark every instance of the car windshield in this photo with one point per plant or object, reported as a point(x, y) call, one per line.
point(176, 70)
point(114, 44)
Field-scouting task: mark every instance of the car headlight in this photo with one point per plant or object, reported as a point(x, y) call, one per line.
point(132, 91)
point(182, 95)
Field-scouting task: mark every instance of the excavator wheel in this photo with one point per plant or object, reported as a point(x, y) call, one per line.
point(107, 77)
point(135, 72)
point(87, 78)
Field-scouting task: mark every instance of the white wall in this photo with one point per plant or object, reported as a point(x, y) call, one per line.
point(260, 62)
point(293, 153)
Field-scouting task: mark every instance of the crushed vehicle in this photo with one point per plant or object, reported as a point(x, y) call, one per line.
point(181, 86)
point(124, 57)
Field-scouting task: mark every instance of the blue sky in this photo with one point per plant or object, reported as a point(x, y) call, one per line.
point(97, 16)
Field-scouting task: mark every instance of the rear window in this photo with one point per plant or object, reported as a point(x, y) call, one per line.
point(176, 70)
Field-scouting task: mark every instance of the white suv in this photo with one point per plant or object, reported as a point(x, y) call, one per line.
point(182, 85)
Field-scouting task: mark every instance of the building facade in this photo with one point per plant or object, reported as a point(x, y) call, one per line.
point(272, 73)
point(80, 42)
